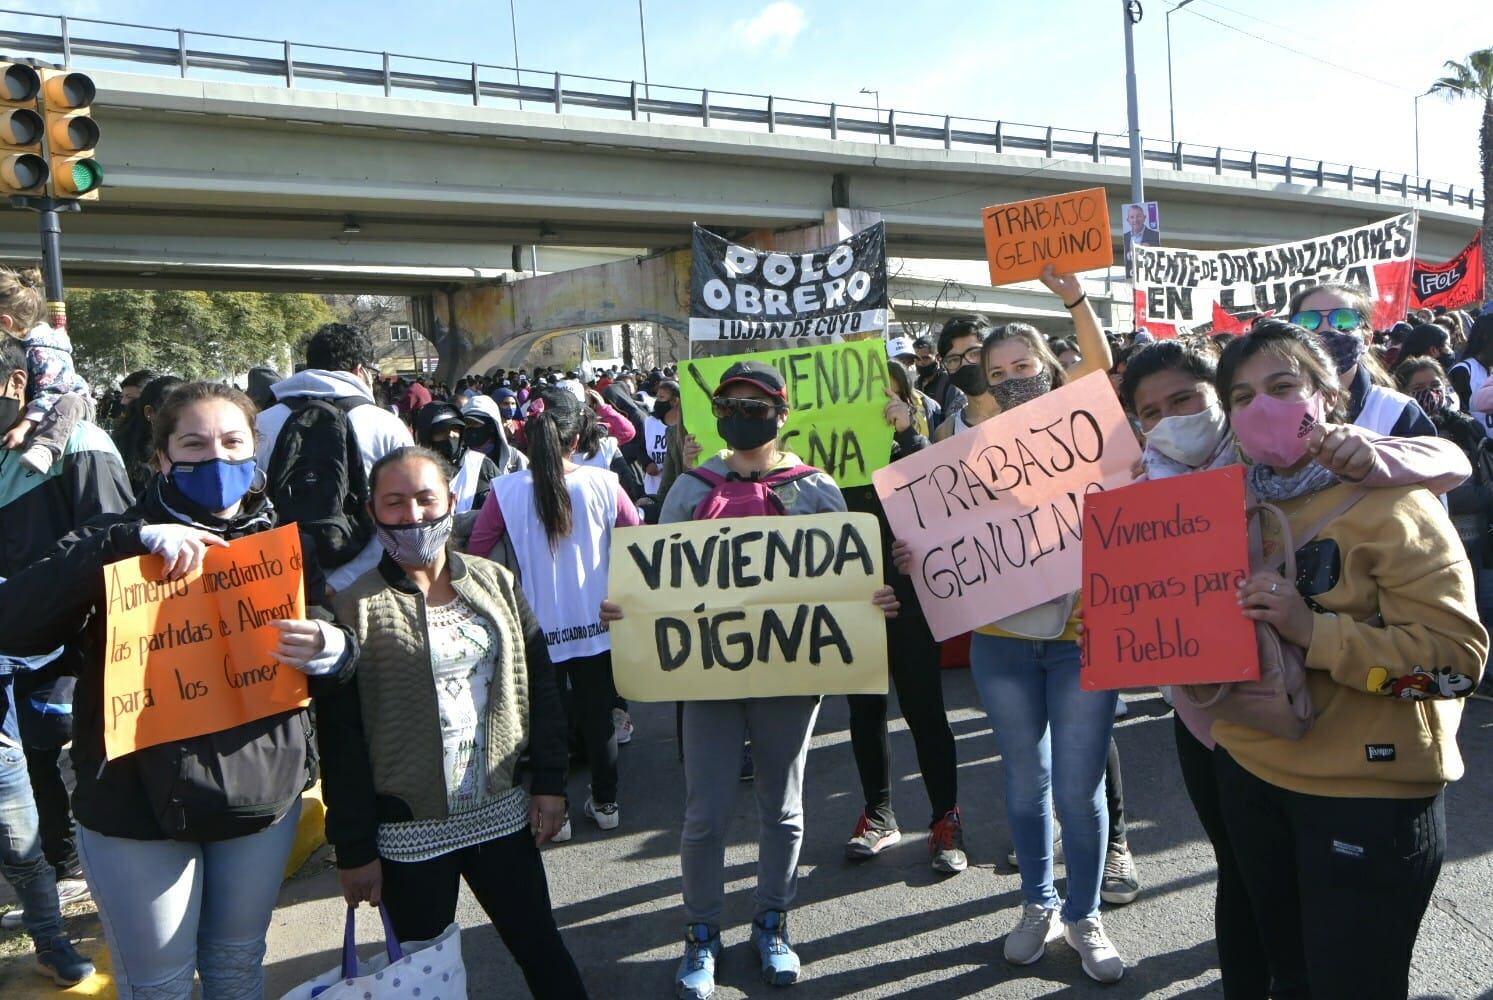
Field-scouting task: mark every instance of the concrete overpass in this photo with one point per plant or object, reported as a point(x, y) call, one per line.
point(405, 180)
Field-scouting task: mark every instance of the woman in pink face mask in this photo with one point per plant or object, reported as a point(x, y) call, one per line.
point(1339, 836)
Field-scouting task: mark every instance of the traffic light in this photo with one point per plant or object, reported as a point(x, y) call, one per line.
point(23, 170)
point(71, 135)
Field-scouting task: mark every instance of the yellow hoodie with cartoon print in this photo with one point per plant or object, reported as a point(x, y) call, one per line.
point(1396, 645)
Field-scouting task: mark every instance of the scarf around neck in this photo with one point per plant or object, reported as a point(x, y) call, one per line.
point(1272, 487)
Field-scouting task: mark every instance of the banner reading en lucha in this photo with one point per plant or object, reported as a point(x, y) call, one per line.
point(1176, 290)
point(1454, 285)
point(738, 294)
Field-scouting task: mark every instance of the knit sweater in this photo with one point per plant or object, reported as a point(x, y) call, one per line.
point(381, 735)
point(1396, 643)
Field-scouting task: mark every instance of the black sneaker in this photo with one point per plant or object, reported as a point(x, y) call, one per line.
point(1120, 886)
point(60, 960)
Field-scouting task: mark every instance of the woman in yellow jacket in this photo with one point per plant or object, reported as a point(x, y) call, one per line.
point(1340, 835)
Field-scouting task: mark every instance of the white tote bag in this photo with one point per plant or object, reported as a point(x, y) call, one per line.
point(415, 970)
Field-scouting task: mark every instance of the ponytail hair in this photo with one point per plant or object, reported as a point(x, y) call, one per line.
point(552, 433)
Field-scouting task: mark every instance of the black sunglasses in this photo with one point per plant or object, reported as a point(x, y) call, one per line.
point(754, 409)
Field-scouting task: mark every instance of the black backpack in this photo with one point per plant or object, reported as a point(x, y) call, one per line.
point(316, 477)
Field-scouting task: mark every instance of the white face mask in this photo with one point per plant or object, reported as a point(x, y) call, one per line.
point(1191, 439)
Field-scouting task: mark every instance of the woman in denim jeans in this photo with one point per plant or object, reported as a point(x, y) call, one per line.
point(1053, 737)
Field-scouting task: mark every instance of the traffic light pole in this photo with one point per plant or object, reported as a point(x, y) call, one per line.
point(49, 226)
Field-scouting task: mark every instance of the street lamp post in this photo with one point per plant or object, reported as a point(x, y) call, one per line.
point(643, 34)
point(877, 94)
point(1133, 13)
point(517, 76)
point(1416, 105)
point(1170, 104)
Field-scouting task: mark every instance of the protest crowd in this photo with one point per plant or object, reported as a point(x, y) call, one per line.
point(452, 631)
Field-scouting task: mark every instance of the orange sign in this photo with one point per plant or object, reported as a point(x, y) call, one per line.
point(1068, 231)
point(194, 656)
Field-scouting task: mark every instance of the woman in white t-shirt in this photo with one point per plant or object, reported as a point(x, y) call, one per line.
point(557, 516)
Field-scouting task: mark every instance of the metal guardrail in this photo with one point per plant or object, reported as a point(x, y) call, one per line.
point(391, 72)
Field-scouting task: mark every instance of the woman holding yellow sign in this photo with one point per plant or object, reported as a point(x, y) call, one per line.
point(183, 842)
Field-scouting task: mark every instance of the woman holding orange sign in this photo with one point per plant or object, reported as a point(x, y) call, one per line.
point(183, 842)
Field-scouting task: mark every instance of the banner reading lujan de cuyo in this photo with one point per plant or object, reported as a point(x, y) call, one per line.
point(994, 517)
point(739, 295)
point(1456, 284)
point(1176, 290)
point(837, 395)
point(750, 607)
point(196, 656)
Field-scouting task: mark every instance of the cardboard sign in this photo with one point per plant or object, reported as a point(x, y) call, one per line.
point(1161, 562)
point(1069, 231)
point(194, 656)
point(750, 607)
point(994, 516)
point(1176, 290)
point(740, 294)
point(836, 398)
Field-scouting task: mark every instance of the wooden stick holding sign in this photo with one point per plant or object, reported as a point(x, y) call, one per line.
point(195, 656)
point(1069, 231)
point(1161, 563)
point(752, 607)
point(994, 517)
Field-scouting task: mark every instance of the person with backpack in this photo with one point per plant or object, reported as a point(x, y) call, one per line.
point(557, 518)
point(317, 443)
point(184, 843)
point(1340, 834)
point(754, 477)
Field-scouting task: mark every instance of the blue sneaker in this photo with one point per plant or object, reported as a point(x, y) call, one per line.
point(60, 960)
point(695, 979)
point(770, 937)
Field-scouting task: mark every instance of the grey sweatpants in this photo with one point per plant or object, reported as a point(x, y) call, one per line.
point(714, 732)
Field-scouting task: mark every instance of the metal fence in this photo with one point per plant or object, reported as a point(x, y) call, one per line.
point(86, 42)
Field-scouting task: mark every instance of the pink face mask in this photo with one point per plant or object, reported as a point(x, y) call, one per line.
point(1274, 431)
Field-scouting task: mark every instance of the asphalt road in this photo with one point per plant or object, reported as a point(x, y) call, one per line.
point(891, 926)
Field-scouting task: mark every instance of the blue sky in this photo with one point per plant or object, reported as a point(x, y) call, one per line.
point(1325, 78)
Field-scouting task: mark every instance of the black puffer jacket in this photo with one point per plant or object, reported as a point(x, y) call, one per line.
point(166, 791)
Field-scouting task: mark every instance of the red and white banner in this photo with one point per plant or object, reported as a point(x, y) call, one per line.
point(1456, 284)
point(1177, 290)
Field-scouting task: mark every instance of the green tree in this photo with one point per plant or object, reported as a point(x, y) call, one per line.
point(1473, 80)
point(191, 334)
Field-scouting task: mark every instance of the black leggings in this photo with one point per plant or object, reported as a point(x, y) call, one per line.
point(589, 697)
point(1340, 884)
point(1241, 955)
point(913, 656)
point(1114, 799)
point(507, 877)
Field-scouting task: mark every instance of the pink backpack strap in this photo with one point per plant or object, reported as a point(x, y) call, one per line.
point(781, 477)
point(711, 479)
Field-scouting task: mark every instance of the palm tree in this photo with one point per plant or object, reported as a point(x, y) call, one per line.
point(1474, 79)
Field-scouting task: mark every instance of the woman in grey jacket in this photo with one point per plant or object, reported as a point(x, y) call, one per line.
point(421, 749)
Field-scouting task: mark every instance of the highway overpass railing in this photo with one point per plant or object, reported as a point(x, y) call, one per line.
point(88, 42)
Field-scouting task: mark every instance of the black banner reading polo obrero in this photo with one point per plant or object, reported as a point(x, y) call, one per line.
point(739, 294)
point(1453, 285)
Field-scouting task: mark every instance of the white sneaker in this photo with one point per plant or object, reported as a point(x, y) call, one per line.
point(622, 725)
point(564, 833)
point(37, 458)
point(606, 814)
point(1121, 709)
point(12, 919)
point(1100, 959)
point(72, 890)
point(1028, 940)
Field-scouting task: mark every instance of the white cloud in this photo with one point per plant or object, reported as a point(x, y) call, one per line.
point(777, 25)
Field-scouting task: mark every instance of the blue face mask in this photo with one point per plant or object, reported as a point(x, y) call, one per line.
point(215, 484)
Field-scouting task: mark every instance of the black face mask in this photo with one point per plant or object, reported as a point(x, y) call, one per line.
point(661, 408)
point(476, 437)
point(746, 433)
point(929, 370)
point(452, 449)
point(969, 379)
point(10, 412)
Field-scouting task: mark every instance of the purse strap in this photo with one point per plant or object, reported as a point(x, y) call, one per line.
point(1289, 543)
point(350, 942)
